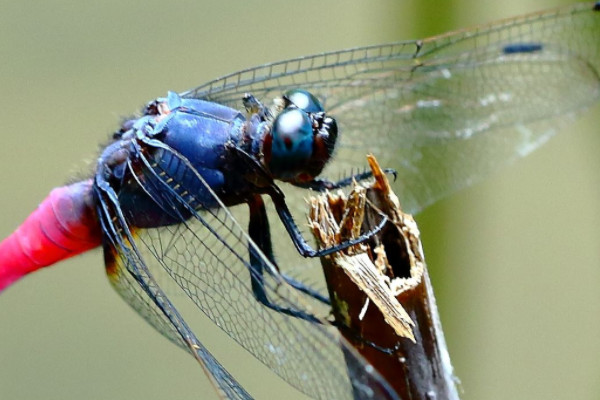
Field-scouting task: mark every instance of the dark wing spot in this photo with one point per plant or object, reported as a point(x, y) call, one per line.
point(522, 48)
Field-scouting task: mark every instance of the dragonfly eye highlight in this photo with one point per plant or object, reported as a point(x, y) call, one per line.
point(303, 100)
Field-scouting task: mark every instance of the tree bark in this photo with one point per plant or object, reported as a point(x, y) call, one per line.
point(382, 298)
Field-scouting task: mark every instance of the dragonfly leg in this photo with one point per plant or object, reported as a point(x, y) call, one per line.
point(315, 294)
point(259, 232)
point(301, 244)
point(270, 188)
point(253, 106)
point(320, 185)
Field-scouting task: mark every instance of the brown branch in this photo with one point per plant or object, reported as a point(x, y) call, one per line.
point(381, 294)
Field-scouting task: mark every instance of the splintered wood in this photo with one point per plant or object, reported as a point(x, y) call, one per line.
point(381, 295)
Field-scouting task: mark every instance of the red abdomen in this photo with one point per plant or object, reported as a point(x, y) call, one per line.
point(63, 225)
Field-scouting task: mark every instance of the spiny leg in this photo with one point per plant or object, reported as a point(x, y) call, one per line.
point(320, 185)
point(301, 244)
point(259, 232)
point(284, 213)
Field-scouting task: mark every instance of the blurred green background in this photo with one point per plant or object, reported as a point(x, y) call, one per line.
point(514, 261)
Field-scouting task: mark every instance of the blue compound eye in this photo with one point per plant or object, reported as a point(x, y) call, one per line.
point(292, 134)
point(304, 100)
point(292, 144)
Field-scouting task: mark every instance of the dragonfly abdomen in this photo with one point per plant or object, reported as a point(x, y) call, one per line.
point(63, 225)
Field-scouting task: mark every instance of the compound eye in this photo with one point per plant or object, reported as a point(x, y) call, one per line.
point(304, 100)
point(292, 134)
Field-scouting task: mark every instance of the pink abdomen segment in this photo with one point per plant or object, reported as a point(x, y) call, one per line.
point(63, 225)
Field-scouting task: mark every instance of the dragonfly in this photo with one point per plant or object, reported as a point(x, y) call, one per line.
point(166, 199)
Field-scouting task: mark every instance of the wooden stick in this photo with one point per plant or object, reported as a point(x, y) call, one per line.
point(381, 294)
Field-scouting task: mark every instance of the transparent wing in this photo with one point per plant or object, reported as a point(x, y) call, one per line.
point(206, 258)
point(448, 110)
point(138, 287)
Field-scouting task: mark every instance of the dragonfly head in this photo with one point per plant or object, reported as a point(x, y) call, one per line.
point(301, 140)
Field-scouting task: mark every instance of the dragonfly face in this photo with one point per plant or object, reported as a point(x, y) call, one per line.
point(443, 112)
point(301, 140)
